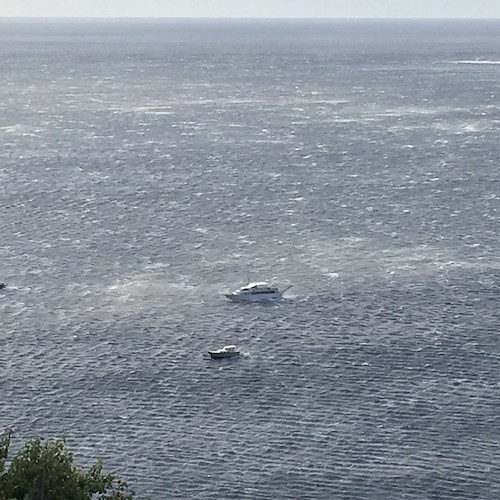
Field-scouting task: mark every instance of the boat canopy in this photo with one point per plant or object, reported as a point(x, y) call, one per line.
point(257, 284)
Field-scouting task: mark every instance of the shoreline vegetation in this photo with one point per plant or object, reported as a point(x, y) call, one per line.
point(45, 470)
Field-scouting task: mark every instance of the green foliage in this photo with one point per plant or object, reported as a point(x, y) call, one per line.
point(4, 450)
point(47, 466)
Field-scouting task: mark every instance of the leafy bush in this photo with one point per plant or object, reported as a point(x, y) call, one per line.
point(44, 470)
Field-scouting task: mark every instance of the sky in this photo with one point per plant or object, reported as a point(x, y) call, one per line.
point(489, 9)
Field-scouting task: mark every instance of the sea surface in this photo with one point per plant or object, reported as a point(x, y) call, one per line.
point(147, 167)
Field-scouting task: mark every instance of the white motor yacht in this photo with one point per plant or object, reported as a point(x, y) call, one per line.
point(256, 292)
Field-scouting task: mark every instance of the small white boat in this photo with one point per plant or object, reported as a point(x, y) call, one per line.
point(228, 351)
point(256, 292)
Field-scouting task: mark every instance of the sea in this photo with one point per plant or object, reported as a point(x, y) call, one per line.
point(149, 166)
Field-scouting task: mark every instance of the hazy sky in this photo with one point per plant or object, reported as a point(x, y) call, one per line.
point(252, 8)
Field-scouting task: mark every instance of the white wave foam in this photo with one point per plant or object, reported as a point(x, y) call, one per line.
point(474, 62)
point(351, 257)
point(17, 129)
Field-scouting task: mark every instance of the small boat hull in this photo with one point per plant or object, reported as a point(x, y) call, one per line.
point(228, 351)
point(221, 355)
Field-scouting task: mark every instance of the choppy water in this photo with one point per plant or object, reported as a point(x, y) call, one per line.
point(148, 167)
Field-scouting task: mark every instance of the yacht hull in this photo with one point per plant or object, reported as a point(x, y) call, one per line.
point(252, 298)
